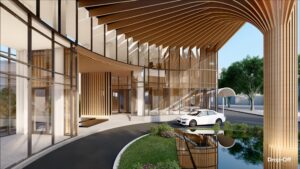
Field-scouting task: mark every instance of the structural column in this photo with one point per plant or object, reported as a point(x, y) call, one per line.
point(281, 88)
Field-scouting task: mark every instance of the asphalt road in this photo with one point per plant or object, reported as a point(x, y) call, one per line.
point(235, 117)
point(98, 151)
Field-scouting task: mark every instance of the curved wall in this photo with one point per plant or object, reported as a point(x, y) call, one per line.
point(39, 74)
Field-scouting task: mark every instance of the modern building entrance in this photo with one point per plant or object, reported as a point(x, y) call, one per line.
point(61, 60)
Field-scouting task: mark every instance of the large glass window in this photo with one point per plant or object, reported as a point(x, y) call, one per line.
point(174, 92)
point(30, 4)
point(84, 28)
point(36, 97)
point(49, 12)
point(61, 94)
point(41, 94)
point(68, 18)
point(174, 59)
point(153, 56)
point(143, 55)
point(164, 58)
point(133, 50)
point(111, 45)
point(164, 96)
point(13, 85)
point(98, 37)
point(153, 91)
point(122, 48)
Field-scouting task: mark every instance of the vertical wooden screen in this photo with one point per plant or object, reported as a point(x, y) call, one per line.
point(95, 95)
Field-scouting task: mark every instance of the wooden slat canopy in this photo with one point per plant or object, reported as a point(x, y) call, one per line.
point(181, 23)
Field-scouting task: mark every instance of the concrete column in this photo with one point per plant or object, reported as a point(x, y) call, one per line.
point(280, 88)
point(140, 93)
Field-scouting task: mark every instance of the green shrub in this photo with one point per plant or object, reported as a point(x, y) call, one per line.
point(242, 127)
point(163, 130)
point(216, 127)
point(154, 131)
point(165, 127)
point(256, 131)
point(228, 126)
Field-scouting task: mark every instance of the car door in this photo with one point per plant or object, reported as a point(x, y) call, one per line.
point(202, 118)
point(212, 115)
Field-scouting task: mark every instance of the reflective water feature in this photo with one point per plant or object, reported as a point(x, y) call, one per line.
point(240, 148)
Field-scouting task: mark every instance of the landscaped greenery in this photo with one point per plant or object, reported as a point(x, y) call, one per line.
point(157, 152)
point(150, 152)
point(244, 77)
point(163, 130)
point(216, 127)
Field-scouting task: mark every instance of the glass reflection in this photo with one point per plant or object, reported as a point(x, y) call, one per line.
point(206, 148)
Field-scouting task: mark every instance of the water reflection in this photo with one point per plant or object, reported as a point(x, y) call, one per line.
point(225, 141)
point(198, 148)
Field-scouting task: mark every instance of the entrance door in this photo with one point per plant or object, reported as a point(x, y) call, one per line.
point(124, 100)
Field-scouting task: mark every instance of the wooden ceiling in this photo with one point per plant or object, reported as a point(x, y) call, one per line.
point(91, 62)
point(181, 23)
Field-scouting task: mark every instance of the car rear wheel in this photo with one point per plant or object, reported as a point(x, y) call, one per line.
point(219, 121)
point(193, 123)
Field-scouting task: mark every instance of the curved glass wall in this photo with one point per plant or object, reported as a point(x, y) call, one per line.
point(44, 61)
point(37, 82)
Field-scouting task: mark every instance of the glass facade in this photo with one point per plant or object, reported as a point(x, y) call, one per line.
point(183, 86)
point(37, 81)
point(39, 74)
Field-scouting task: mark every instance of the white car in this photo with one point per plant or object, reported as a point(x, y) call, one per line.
point(201, 117)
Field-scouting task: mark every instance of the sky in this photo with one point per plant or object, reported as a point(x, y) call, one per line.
point(247, 41)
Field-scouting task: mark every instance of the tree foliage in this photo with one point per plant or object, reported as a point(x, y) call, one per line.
point(5, 107)
point(244, 77)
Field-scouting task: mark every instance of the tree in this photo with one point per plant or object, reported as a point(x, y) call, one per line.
point(244, 77)
point(7, 96)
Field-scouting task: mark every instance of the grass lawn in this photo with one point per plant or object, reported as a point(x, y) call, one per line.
point(150, 149)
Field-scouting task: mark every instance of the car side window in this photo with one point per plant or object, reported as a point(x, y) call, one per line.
point(202, 113)
point(211, 112)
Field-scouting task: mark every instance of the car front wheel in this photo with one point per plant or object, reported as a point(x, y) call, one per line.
point(219, 121)
point(193, 123)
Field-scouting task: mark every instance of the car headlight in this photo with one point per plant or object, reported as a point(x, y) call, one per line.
point(184, 119)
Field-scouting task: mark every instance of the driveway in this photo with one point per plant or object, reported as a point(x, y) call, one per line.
point(98, 151)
